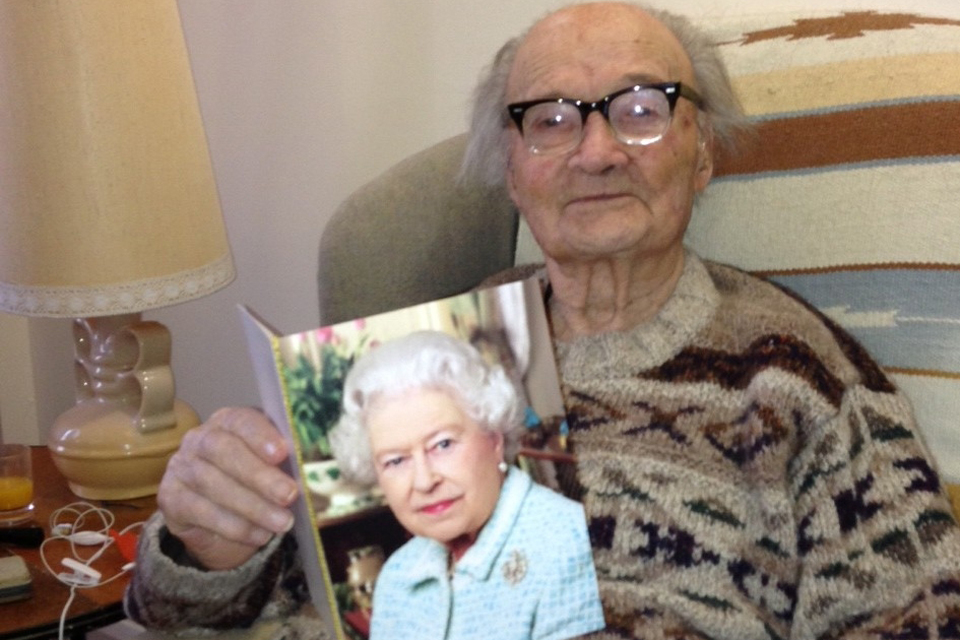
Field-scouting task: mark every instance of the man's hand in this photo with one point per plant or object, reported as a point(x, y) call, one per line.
point(223, 493)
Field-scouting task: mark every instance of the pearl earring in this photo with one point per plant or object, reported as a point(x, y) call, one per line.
point(503, 466)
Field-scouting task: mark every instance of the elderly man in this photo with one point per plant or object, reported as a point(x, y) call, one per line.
point(747, 471)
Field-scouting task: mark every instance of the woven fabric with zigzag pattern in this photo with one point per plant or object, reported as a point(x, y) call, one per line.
point(749, 472)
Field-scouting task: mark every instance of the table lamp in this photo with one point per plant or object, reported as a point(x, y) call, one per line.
point(108, 208)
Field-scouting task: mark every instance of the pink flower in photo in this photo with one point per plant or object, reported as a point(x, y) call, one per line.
point(325, 335)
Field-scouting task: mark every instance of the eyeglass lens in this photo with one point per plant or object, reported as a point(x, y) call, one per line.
point(637, 117)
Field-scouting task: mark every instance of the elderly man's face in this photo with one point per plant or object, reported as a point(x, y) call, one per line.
point(605, 198)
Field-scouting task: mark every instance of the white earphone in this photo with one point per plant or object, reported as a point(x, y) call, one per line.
point(70, 524)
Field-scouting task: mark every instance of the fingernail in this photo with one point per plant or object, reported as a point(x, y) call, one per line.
point(281, 521)
point(261, 537)
point(284, 493)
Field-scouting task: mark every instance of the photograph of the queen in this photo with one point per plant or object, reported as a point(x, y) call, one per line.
point(492, 554)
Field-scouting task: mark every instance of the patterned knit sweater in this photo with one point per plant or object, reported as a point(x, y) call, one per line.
point(747, 472)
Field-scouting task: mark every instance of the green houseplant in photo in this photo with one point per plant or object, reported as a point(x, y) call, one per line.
point(315, 391)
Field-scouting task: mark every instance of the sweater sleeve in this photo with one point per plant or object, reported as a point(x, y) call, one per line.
point(169, 593)
point(878, 543)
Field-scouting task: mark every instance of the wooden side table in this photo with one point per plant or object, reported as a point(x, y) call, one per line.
point(39, 616)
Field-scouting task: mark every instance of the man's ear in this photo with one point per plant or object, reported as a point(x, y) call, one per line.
point(705, 151)
point(509, 181)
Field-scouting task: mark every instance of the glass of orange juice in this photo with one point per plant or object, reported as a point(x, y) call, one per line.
point(16, 484)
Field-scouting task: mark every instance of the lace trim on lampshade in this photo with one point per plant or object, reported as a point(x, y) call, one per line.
point(127, 297)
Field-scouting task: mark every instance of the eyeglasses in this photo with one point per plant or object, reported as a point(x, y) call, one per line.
point(639, 115)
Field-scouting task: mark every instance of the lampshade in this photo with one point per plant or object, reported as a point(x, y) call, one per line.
point(107, 198)
point(108, 207)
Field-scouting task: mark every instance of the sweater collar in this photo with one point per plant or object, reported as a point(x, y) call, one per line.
point(687, 311)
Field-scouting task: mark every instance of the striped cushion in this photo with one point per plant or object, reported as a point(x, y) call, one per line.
point(851, 193)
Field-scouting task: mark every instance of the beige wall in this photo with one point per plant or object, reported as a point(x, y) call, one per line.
point(36, 376)
point(303, 101)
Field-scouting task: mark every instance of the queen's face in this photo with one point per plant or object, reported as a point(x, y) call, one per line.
point(605, 199)
point(438, 468)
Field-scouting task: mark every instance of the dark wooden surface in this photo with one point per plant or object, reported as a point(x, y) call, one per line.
point(39, 615)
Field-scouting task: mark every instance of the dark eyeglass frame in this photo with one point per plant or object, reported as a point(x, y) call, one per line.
point(673, 91)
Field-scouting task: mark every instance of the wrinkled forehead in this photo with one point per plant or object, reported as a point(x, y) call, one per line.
point(585, 49)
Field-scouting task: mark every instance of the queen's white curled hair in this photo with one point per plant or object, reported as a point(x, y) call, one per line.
point(422, 360)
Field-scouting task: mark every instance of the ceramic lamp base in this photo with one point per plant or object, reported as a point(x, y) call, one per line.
point(103, 456)
point(116, 441)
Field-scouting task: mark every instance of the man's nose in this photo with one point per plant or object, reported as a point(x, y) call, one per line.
point(599, 147)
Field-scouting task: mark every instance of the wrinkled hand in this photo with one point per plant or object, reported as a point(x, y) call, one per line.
point(223, 493)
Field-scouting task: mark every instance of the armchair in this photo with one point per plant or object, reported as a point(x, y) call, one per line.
point(413, 235)
point(850, 195)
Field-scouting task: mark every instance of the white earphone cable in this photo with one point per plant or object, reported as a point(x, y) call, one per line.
point(86, 528)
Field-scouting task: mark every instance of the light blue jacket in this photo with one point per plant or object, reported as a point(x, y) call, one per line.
point(529, 576)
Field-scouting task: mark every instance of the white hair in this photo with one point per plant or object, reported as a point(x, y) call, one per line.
point(423, 360)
